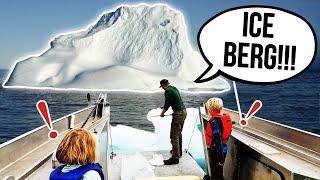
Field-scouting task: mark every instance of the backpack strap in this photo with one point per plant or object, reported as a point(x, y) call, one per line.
point(216, 127)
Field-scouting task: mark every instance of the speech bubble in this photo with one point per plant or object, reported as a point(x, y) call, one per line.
point(256, 45)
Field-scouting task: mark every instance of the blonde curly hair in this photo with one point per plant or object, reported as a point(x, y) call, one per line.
point(214, 105)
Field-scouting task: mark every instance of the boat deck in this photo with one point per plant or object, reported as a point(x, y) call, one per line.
point(137, 166)
point(119, 167)
point(262, 150)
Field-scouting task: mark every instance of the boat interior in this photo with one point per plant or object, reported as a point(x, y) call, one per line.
point(262, 150)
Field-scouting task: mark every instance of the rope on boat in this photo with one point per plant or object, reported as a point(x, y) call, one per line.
point(85, 122)
point(111, 145)
point(195, 123)
point(100, 99)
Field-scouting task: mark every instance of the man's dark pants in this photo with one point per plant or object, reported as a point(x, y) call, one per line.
point(178, 118)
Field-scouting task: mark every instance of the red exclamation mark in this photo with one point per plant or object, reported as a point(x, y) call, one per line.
point(257, 104)
point(43, 109)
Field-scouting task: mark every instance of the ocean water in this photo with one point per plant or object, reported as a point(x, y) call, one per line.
point(295, 103)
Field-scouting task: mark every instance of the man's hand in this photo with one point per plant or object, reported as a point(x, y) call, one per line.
point(162, 112)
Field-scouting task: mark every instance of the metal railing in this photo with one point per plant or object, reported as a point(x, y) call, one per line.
point(25, 153)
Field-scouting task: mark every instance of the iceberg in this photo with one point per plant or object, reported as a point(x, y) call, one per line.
point(129, 48)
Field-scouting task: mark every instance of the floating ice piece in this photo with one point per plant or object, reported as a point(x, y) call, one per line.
point(128, 139)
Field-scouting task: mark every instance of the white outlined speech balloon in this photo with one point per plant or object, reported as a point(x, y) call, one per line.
point(256, 45)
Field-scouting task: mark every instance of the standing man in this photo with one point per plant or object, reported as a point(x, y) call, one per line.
point(173, 99)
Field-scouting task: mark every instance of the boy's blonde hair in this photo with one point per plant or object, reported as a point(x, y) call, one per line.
point(77, 147)
point(214, 105)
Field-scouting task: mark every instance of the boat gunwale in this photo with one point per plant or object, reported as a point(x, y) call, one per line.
point(41, 127)
point(279, 124)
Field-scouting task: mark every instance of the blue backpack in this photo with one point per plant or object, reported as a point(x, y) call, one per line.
point(75, 174)
point(217, 144)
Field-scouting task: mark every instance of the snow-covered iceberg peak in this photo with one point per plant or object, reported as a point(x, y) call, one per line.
point(131, 47)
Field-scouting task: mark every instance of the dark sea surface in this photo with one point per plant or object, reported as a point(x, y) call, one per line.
point(295, 103)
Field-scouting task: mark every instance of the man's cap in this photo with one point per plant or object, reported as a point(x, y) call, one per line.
point(163, 81)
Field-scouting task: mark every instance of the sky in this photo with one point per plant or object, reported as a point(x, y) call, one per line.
point(26, 27)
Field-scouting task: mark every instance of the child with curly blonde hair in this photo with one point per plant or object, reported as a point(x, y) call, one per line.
point(218, 131)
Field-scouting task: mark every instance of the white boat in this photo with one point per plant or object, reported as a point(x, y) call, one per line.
point(262, 150)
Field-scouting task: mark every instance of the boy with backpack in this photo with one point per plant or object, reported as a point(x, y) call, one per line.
point(217, 133)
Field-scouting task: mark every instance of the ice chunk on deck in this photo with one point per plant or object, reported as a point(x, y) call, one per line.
point(135, 166)
point(190, 132)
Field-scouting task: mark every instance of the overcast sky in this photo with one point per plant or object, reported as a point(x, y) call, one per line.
point(27, 26)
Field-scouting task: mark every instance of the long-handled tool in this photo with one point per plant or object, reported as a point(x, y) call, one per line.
point(159, 115)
